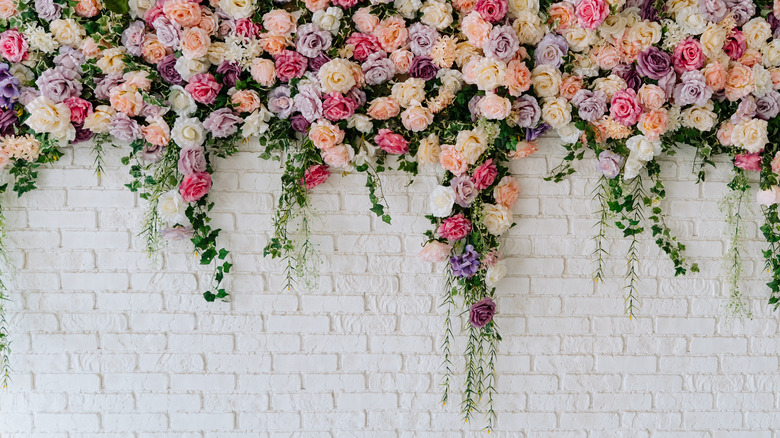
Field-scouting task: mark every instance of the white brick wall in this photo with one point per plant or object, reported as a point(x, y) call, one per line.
point(108, 344)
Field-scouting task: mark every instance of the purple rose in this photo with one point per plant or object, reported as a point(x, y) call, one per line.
point(648, 11)
point(177, 233)
point(10, 87)
point(152, 153)
point(308, 102)
point(167, 69)
point(423, 68)
point(465, 190)
point(474, 108)
point(311, 41)
point(667, 83)
point(27, 95)
point(82, 134)
point(378, 68)
point(591, 105)
point(279, 102)
point(8, 121)
point(70, 58)
point(105, 85)
point(609, 164)
point(741, 10)
point(654, 63)
point(774, 22)
point(150, 110)
point(692, 89)
point(502, 43)
point(231, 73)
point(59, 83)
point(133, 38)
point(47, 9)
point(222, 123)
point(317, 62)
point(532, 134)
point(465, 265)
point(481, 312)
point(124, 128)
point(528, 111)
point(422, 38)
point(299, 123)
point(169, 34)
point(358, 95)
point(550, 50)
point(713, 10)
point(629, 74)
point(768, 105)
point(746, 110)
point(192, 160)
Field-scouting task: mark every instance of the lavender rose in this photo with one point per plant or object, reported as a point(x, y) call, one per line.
point(10, 87)
point(59, 83)
point(358, 95)
point(192, 160)
point(629, 74)
point(741, 10)
point(713, 10)
point(231, 73)
point(124, 128)
point(222, 123)
point(105, 85)
point(502, 43)
point(591, 105)
point(465, 265)
point(279, 102)
point(422, 38)
point(550, 50)
point(474, 107)
point(465, 191)
point(532, 134)
point(528, 111)
point(692, 89)
point(654, 63)
point(746, 110)
point(167, 69)
point(177, 233)
point(133, 38)
point(423, 68)
point(152, 153)
point(481, 312)
point(311, 41)
point(169, 34)
point(609, 164)
point(308, 102)
point(317, 62)
point(667, 83)
point(378, 68)
point(70, 58)
point(768, 105)
point(299, 123)
point(27, 95)
point(47, 10)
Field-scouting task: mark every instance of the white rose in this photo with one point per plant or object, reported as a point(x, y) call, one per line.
point(336, 75)
point(437, 14)
point(516, 7)
point(429, 150)
point(556, 112)
point(497, 218)
point(22, 73)
point(329, 19)
point(40, 40)
point(771, 54)
point(172, 209)
point(762, 79)
point(613, 26)
point(361, 122)
point(181, 101)
point(632, 167)
point(579, 39)
point(691, 21)
point(546, 80)
point(441, 201)
point(255, 124)
point(569, 134)
point(757, 31)
point(750, 135)
point(451, 79)
point(365, 154)
point(139, 7)
point(238, 9)
point(407, 8)
point(187, 68)
point(46, 116)
point(700, 117)
point(642, 148)
point(495, 274)
point(188, 132)
point(67, 32)
point(585, 66)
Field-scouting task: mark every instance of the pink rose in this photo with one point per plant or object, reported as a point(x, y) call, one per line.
point(345, 4)
point(195, 186)
point(247, 28)
point(455, 227)
point(391, 142)
point(491, 10)
point(748, 161)
point(315, 175)
point(591, 13)
point(507, 192)
point(80, 109)
point(203, 88)
point(336, 107)
point(290, 64)
point(625, 107)
point(769, 196)
point(364, 45)
point(435, 251)
point(485, 175)
point(776, 163)
point(688, 55)
point(13, 46)
point(735, 45)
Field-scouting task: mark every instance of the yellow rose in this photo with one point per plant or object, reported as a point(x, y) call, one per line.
point(546, 80)
point(556, 112)
point(464, 51)
point(428, 151)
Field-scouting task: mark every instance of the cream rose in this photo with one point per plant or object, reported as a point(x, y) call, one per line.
point(181, 101)
point(412, 89)
point(528, 27)
point(138, 8)
point(546, 80)
point(750, 135)
point(172, 209)
point(437, 14)
point(329, 19)
point(471, 144)
point(609, 85)
point(757, 31)
point(632, 167)
point(99, 120)
point(771, 54)
point(361, 122)
point(416, 118)
point(712, 39)
point(495, 274)
point(256, 123)
point(336, 76)
point(556, 112)
point(579, 39)
point(642, 148)
point(516, 7)
point(441, 201)
point(497, 218)
point(46, 116)
point(700, 117)
point(67, 32)
point(238, 9)
point(188, 132)
point(428, 150)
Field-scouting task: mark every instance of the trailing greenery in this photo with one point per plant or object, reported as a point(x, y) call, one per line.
point(732, 206)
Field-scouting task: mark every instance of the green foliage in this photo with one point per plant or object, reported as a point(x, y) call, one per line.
point(117, 6)
point(731, 205)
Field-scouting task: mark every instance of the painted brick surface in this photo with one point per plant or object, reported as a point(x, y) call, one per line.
point(107, 342)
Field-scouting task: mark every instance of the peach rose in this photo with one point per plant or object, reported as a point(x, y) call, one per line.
point(383, 108)
point(195, 43)
point(391, 33)
point(7, 9)
point(126, 99)
point(561, 15)
point(208, 21)
point(263, 71)
point(464, 6)
point(365, 21)
point(523, 149)
point(739, 82)
point(157, 132)
point(246, 101)
point(274, 44)
point(724, 133)
point(443, 52)
point(453, 160)
point(88, 8)
point(606, 57)
point(325, 135)
point(651, 97)
point(138, 79)
point(494, 107)
point(416, 118)
point(517, 78)
point(776, 163)
point(476, 29)
point(570, 85)
point(90, 48)
point(435, 251)
point(506, 192)
point(715, 76)
point(775, 75)
point(402, 59)
point(750, 58)
point(153, 51)
point(316, 5)
point(279, 22)
point(337, 156)
point(653, 124)
point(183, 12)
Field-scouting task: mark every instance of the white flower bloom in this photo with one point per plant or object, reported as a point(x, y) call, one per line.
point(495, 274)
point(441, 201)
point(632, 167)
point(188, 132)
point(497, 218)
point(642, 148)
point(329, 19)
point(569, 134)
point(181, 101)
point(238, 9)
point(255, 124)
point(188, 68)
point(361, 122)
point(172, 209)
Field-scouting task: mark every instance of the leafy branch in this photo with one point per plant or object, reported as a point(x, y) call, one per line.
point(731, 205)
